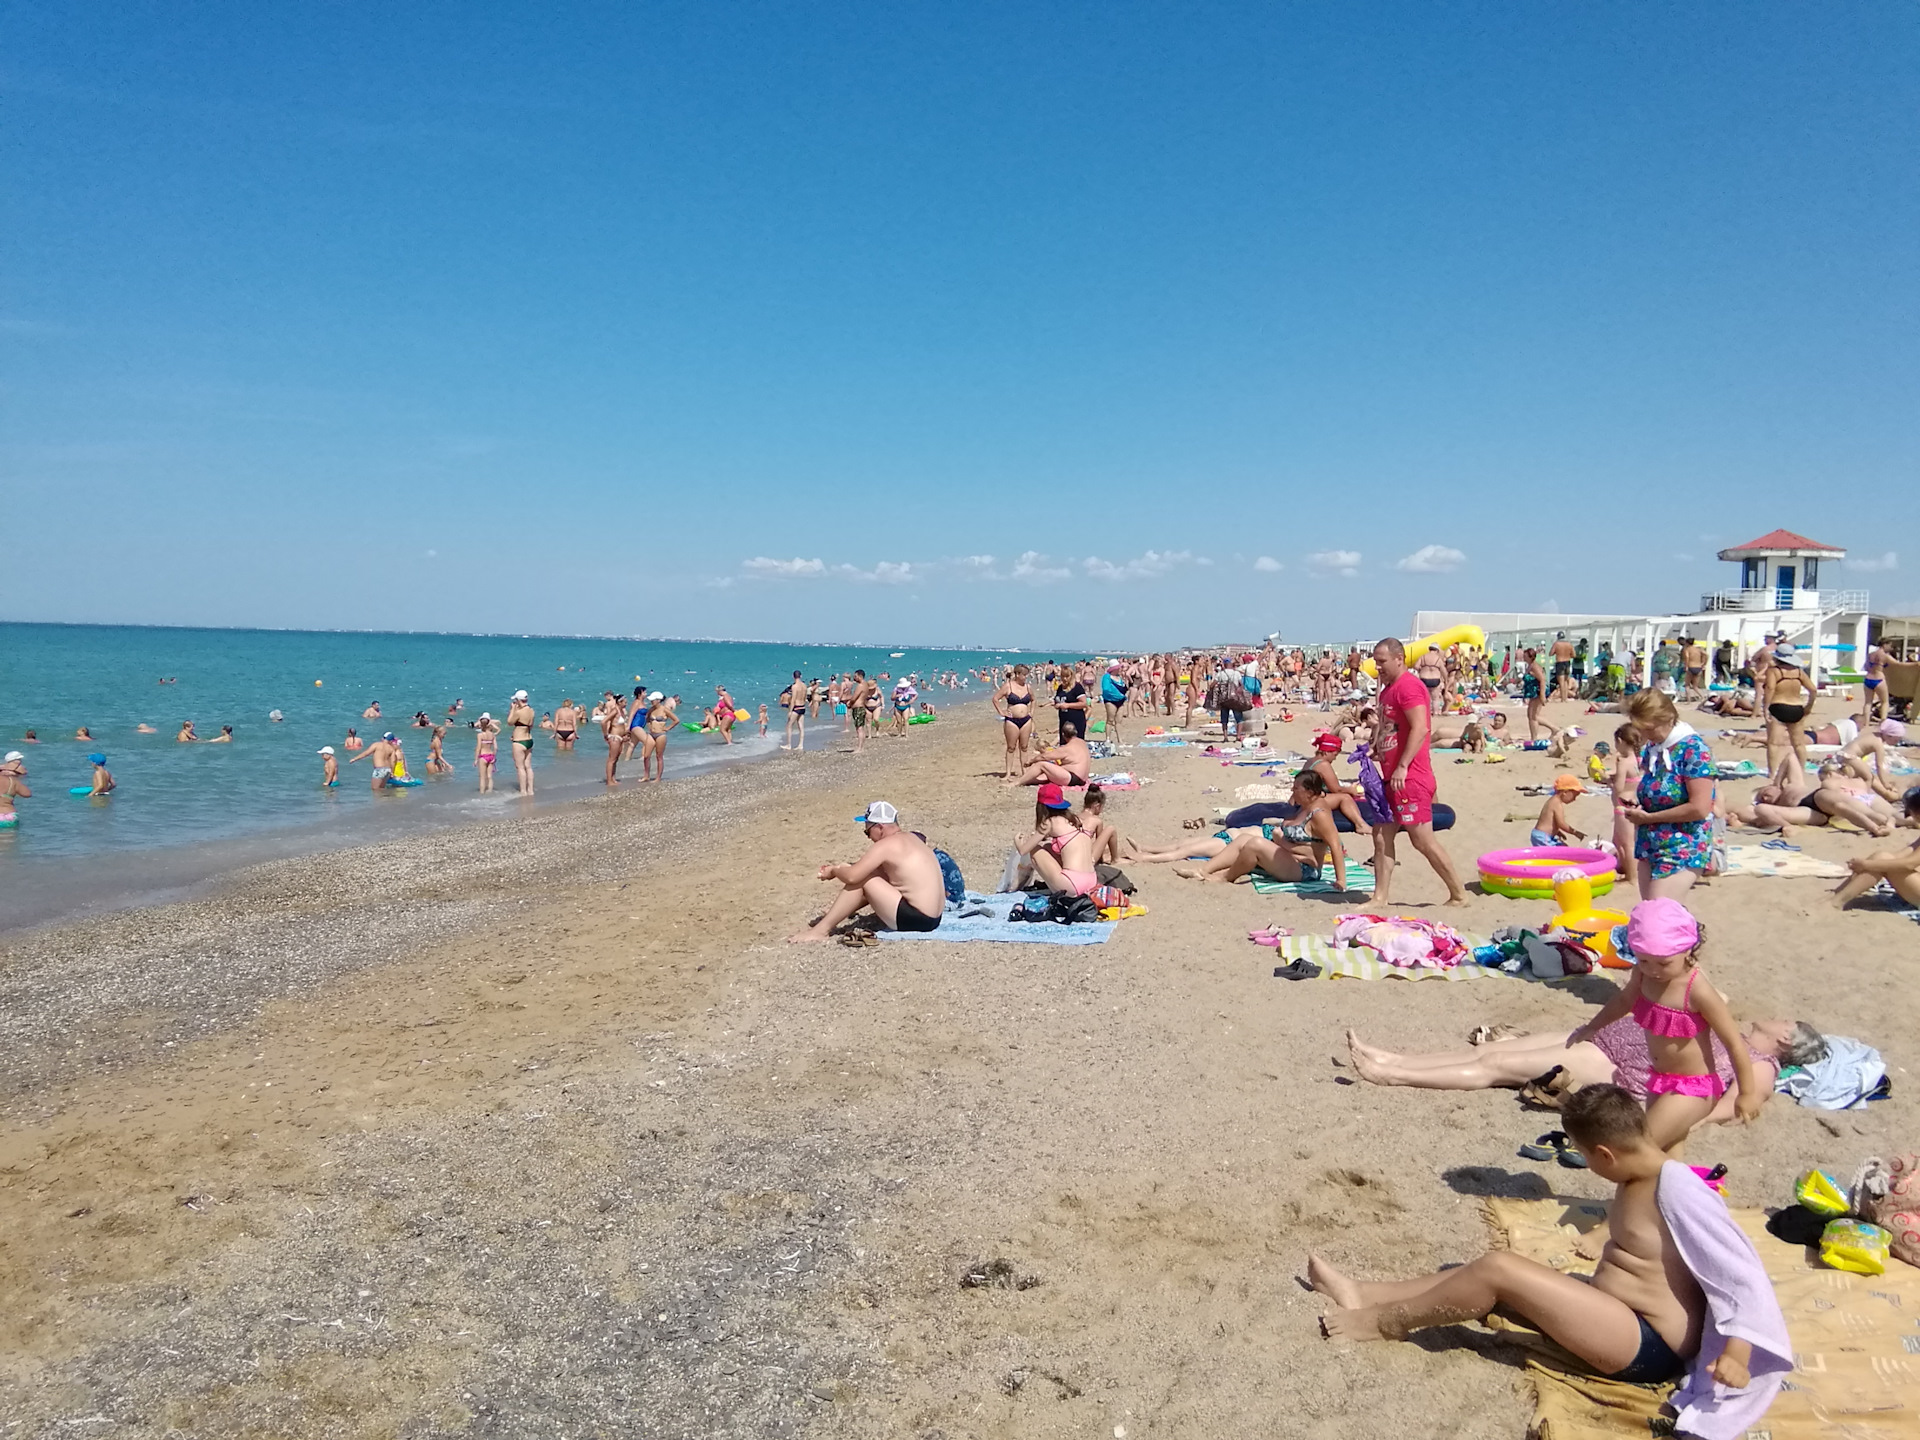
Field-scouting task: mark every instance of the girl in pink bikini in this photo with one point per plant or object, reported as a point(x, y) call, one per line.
point(1060, 850)
point(1667, 1000)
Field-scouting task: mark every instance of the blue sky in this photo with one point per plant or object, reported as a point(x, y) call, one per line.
point(1093, 325)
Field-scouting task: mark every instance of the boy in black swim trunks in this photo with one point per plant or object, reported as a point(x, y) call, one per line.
point(1643, 1317)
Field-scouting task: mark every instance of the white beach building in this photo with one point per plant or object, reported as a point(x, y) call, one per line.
point(1780, 589)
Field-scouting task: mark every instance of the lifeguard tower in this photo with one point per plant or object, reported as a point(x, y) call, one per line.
point(1781, 571)
point(1780, 593)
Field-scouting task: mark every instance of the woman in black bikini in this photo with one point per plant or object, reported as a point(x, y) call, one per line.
point(1789, 700)
point(1013, 702)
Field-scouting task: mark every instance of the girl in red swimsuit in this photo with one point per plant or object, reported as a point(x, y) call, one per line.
point(1678, 1013)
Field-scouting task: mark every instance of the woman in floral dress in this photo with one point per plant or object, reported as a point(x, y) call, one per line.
point(1673, 821)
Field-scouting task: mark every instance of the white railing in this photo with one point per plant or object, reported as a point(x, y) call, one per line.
point(1770, 598)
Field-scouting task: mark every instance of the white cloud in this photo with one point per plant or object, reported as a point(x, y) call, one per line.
point(1888, 561)
point(783, 569)
point(1146, 566)
point(1340, 562)
point(1037, 568)
point(886, 572)
point(1430, 560)
point(1268, 563)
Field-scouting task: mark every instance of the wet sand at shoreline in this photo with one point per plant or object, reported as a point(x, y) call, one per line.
point(538, 1128)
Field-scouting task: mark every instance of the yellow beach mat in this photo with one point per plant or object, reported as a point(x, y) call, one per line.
point(1856, 1342)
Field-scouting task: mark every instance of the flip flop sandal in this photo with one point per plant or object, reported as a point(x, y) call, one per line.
point(1777, 845)
point(1549, 1090)
point(1298, 970)
point(1548, 1146)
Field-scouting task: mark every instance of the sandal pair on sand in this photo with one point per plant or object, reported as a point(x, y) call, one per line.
point(1554, 1145)
point(1271, 936)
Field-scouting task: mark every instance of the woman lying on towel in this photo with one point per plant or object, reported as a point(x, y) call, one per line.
point(1299, 847)
point(1833, 795)
point(1617, 1055)
point(1262, 822)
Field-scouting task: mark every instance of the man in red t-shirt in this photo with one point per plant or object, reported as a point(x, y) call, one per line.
point(1406, 762)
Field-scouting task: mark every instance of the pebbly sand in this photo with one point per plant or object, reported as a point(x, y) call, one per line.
point(537, 1128)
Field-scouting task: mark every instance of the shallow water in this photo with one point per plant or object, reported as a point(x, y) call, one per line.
point(55, 678)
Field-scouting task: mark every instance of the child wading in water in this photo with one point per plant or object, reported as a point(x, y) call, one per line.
point(486, 750)
point(1679, 1290)
point(1682, 1017)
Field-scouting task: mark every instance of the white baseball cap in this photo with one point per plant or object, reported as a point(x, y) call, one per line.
point(879, 812)
point(656, 695)
point(12, 755)
point(519, 694)
point(324, 750)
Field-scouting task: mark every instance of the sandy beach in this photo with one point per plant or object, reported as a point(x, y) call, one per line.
point(537, 1127)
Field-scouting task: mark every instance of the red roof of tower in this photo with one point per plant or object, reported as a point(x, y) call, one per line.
point(1785, 540)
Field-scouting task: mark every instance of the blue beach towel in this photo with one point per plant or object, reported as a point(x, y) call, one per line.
point(994, 925)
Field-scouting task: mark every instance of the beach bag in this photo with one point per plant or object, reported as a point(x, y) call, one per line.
point(1107, 897)
point(1887, 1192)
point(1116, 877)
point(950, 880)
point(1228, 695)
point(1074, 910)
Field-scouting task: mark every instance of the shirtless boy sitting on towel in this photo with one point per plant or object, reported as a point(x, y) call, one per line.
point(1680, 1290)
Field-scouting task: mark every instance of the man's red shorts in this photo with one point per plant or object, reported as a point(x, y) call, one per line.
point(1414, 804)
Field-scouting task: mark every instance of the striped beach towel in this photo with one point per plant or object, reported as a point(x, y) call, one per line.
point(1363, 964)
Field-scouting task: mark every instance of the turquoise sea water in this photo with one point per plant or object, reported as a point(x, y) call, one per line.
point(55, 678)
